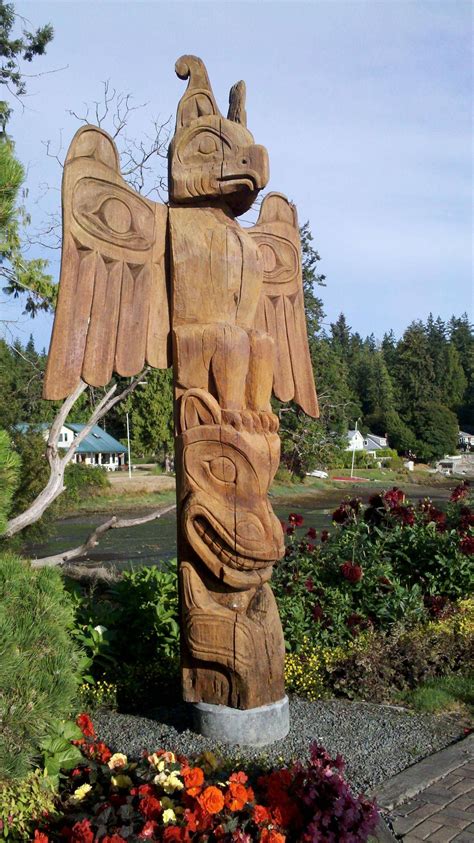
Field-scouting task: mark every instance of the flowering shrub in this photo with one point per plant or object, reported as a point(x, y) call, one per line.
point(167, 797)
point(377, 666)
point(384, 564)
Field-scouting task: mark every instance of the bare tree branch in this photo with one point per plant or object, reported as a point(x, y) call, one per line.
point(55, 485)
point(92, 540)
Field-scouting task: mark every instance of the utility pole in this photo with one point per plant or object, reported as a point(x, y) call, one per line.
point(353, 449)
point(128, 446)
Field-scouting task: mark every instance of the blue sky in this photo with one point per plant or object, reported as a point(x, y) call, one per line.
point(364, 106)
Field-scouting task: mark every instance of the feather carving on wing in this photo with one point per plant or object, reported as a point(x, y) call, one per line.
point(112, 313)
point(280, 312)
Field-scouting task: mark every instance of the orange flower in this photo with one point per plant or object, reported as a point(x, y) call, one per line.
point(193, 780)
point(270, 836)
point(212, 800)
point(260, 814)
point(236, 796)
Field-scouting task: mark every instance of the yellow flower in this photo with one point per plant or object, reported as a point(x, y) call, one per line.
point(121, 781)
point(169, 816)
point(160, 761)
point(118, 761)
point(172, 783)
point(81, 792)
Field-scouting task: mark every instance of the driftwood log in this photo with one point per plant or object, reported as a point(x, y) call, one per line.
point(185, 284)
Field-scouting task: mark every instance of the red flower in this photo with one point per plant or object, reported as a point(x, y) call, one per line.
point(466, 545)
point(260, 815)
point(317, 612)
point(102, 752)
point(394, 497)
point(351, 572)
point(340, 515)
point(85, 724)
point(290, 531)
point(150, 807)
point(312, 534)
point(309, 584)
point(295, 519)
point(143, 790)
point(173, 832)
point(324, 535)
point(113, 838)
point(82, 832)
point(385, 583)
point(460, 492)
point(40, 837)
point(271, 836)
point(404, 514)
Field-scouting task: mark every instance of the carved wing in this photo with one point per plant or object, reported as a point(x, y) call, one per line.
point(112, 313)
point(280, 311)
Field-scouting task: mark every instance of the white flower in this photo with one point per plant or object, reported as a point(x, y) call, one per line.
point(169, 816)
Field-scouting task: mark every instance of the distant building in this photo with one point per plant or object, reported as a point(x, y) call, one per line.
point(355, 440)
point(370, 442)
point(373, 443)
point(466, 441)
point(98, 447)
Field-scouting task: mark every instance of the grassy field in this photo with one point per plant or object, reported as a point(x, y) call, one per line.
point(145, 490)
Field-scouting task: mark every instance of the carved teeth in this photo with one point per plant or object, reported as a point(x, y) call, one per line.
point(211, 538)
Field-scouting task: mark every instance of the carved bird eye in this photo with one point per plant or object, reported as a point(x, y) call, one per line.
point(114, 213)
point(223, 469)
point(207, 145)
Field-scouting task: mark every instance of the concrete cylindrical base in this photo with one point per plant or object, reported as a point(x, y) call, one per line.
point(252, 727)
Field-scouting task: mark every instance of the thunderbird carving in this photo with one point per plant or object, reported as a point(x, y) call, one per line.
point(184, 283)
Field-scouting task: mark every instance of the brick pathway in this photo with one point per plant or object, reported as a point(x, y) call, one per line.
point(441, 813)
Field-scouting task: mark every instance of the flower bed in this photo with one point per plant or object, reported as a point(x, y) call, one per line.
point(165, 797)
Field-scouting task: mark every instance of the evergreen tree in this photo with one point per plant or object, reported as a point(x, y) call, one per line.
point(436, 429)
point(414, 372)
point(150, 410)
point(18, 273)
point(9, 471)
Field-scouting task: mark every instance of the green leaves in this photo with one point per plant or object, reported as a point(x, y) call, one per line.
point(57, 751)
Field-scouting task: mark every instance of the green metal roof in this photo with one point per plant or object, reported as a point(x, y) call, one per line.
point(98, 441)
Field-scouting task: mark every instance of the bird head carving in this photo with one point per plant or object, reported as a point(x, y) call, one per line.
point(213, 157)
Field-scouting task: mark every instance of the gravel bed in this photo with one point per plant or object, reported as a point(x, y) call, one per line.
point(377, 741)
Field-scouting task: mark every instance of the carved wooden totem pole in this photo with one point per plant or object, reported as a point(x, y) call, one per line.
point(148, 283)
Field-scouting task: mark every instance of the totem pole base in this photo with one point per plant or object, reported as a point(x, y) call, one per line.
point(251, 727)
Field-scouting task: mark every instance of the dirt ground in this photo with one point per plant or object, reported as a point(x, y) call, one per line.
point(141, 482)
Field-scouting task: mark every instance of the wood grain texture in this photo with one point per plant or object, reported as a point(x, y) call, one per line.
point(112, 273)
point(233, 297)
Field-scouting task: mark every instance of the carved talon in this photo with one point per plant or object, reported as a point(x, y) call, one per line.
point(274, 422)
point(233, 418)
point(248, 420)
point(257, 422)
point(264, 422)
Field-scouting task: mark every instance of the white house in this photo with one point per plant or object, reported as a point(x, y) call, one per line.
point(355, 440)
point(98, 447)
point(466, 441)
point(370, 442)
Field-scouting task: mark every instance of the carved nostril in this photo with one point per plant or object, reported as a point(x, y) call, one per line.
point(244, 161)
